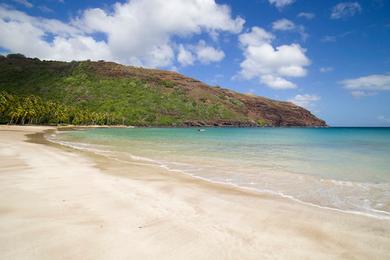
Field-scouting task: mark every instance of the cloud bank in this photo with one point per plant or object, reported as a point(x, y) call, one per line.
point(138, 32)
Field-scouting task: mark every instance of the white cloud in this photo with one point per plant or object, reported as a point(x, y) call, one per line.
point(185, 57)
point(200, 52)
point(281, 3)
point(276, 82)
point(257, 36)
point(146, 31)
point(305, 100)
point(206, 54)
point(345, 9)
point(326, 69)
point(287, 25)
point(308, 16)
point(283, 25)
point(367, 85)
point(16, 19)
point(159, 56)
point(271, 65)
point(25, 34)
point(24, 2)
point(376, 82)
point(139, 32)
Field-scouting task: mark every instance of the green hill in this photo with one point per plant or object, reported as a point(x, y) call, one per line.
point(86, 92)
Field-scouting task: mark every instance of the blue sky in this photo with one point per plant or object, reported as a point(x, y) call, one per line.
point(333, 57)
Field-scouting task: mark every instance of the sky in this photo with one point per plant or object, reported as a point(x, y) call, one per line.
point(332, 57)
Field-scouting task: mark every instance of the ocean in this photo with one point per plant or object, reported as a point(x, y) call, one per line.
point(345, 169)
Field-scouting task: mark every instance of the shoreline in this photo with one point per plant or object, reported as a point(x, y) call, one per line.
point(217, 221)
point(384, 215)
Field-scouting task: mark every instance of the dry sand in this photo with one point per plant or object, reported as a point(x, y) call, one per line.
point(58, 203)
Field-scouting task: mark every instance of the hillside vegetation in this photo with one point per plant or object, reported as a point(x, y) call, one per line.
point(85, 92)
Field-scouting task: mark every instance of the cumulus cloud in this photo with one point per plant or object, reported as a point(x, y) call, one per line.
point(15, 19)
point(257, 36)
point(271, 65)
point(367, 85)
point(281, 3)
point(185, 57)
point(345, 9)
point(200, 52)
point(25, 34)
point(305, 100)
point(306, 15)
point(207, 54)
point(139, 32)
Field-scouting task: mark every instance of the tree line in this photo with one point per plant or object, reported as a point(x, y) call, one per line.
point(32, 109)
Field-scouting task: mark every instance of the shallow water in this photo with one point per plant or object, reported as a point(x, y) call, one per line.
point(340, 168)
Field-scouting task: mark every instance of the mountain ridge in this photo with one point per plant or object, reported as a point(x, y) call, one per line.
point(144, 97)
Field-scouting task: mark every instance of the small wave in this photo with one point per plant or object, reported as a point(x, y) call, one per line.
point(137, 160)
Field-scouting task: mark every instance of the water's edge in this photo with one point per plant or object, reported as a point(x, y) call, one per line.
point(136, 160)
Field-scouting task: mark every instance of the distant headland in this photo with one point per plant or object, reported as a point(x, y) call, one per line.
point(106, 93)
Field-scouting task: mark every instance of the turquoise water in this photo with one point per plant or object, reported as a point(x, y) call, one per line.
point(339, 168)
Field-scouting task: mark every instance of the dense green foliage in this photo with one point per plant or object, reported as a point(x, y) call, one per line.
point(37, 91)
point(33, 110)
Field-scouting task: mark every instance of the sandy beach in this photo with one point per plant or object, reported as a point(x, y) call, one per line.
point(59, 203)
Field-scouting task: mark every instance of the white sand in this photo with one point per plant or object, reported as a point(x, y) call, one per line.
point(56, 203)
